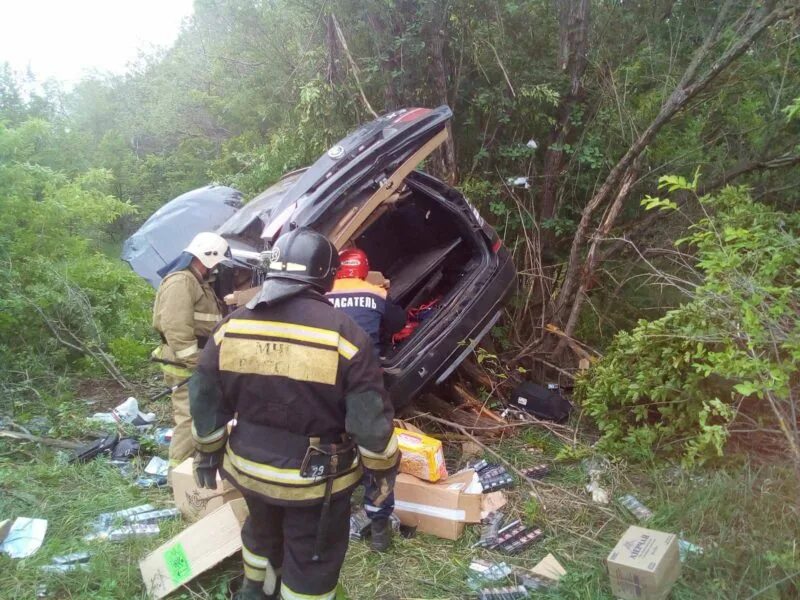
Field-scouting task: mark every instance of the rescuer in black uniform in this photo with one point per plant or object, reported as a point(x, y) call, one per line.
point(310, 408)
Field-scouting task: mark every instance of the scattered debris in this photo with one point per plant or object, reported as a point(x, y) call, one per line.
point(493, 477)
point(533, 582)
point(491, 528)
point(537, 472)
point(636, 508)
point(155, 516)
point(67, 563)
point(122, 533)
point(421, 455)
point(483, 572)
point(360, 524)
point(162, 436)
point(685, 548)
point(106, 520)
point(644, 564)
point(127, 412)
point(549, 568)
point(64, 568)
point(23, 537)
point(523, 182)
point(511, 538)
point(124, 466)
point(504, 593)
point(157, 466)
point(75, 557)
point(151, 481)
point(595, 468)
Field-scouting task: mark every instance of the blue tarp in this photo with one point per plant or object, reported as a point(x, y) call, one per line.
point(170, 229)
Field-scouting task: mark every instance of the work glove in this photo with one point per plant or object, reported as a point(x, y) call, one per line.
point(205, 468)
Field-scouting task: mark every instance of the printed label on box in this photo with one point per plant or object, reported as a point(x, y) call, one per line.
point(177, 564)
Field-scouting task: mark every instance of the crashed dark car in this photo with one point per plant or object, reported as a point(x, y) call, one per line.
point(445, 265)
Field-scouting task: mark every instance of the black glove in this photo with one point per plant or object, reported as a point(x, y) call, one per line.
point(205, 469)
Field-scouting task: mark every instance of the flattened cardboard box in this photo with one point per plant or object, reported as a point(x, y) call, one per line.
point(195, 550)
point(441, 509)
point(644, 564)
point(194, 502)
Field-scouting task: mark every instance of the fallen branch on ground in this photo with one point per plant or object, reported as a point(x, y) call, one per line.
point(15, 435)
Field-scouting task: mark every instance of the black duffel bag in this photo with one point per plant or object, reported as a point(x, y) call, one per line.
point(541, 402)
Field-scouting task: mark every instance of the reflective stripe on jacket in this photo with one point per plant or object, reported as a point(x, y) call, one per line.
point(292, 373)
point(185, 312)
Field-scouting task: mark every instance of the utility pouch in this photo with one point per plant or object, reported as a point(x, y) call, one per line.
point(323, 461)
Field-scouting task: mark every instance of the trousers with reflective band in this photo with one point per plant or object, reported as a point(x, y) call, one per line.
point(285, 536)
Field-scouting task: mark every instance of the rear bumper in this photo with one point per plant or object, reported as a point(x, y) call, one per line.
point(467, 322)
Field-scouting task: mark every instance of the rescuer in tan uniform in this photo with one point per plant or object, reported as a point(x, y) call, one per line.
point(185, 312)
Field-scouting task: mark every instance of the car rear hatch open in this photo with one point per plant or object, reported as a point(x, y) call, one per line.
point(339, 192)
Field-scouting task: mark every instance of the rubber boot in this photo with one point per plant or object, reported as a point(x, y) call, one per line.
point(252, 590)
point(381, 536)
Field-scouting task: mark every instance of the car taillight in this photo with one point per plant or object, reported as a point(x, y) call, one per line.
point(497, 245)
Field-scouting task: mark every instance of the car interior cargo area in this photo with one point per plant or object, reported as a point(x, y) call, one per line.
point(422, 248)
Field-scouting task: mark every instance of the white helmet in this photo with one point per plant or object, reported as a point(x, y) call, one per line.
point(209, 248)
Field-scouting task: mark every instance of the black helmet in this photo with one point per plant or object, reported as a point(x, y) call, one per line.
point(306, 256)
point(299, 260)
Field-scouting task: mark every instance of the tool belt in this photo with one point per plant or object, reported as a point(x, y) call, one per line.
point(316, 458)
point(324, 461)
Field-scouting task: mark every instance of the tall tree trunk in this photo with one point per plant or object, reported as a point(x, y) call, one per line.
point(387, 29)
point(573, 20)
point(436, 37)
point(333, 72)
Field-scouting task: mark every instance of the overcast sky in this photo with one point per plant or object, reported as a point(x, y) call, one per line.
point(67, 38)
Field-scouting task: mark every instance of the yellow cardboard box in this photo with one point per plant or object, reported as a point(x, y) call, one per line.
point(422, 455)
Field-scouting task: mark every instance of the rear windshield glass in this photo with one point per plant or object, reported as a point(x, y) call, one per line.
point(248, 223)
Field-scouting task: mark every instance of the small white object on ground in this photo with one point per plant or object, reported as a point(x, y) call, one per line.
point(157, 466)
point(23, 537)
point(127, 412)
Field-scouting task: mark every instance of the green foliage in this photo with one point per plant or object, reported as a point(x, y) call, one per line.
point(55, 277)
point(674, 384)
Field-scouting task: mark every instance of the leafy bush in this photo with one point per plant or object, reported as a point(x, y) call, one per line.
point(63, 302)
point(677, 383)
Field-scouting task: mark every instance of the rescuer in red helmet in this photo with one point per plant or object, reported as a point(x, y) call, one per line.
point(367, 304)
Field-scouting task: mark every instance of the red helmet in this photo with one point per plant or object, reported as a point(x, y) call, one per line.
point(354, 264)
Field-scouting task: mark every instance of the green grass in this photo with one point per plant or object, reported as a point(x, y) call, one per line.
point(744, 514)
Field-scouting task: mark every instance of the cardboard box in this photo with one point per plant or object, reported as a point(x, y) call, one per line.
point(195, 502)
point(440, 509)
point(644, 564)
point(420, 455)
point(195, 550)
